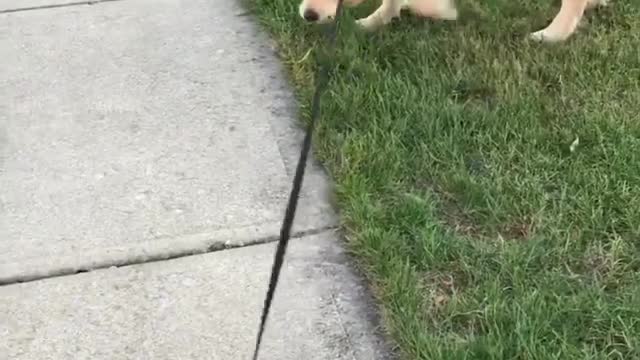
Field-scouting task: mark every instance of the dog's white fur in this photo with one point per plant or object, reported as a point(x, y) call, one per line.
point(561, 28)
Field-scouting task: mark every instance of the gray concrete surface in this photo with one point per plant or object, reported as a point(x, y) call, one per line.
point(137, 132)
point(27, 5)
point(125, 125)
point(200, 307)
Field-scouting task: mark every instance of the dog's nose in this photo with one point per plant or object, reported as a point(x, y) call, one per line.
point(310, 15)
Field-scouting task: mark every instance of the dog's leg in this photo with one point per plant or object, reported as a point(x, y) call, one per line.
point(566, 21)
point(388, 10)
point(436, 9)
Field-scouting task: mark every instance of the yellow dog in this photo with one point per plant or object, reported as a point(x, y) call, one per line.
point(561, 28)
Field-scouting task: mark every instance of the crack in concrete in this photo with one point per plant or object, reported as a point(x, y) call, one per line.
point(53, 6)
point(163, 257)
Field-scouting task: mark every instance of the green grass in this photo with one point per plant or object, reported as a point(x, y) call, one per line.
point(483, 235)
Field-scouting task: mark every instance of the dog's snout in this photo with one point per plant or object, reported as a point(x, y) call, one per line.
point(310, 15)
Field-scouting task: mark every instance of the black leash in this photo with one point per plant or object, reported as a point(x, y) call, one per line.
point(322, 79)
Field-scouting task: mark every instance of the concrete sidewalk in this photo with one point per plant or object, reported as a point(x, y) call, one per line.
point(146, 154)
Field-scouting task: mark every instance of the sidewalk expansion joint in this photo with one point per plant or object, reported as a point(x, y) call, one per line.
point(53, 6)
point(163, 257)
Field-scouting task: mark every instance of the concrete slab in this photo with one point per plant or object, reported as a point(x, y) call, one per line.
point(200, 307)
point(25, 5)
point(138, 128)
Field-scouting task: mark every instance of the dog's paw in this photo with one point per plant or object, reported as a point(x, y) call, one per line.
point(449, 14)
point(377, 20)
point(367, 24)
point(548, 36)
point(448, 10)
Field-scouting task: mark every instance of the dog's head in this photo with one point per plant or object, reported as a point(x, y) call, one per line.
point(322, 11)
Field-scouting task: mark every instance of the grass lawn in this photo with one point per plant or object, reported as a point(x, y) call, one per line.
point(485, 234)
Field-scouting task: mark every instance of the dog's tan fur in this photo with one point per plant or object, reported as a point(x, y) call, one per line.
point(561, 28)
